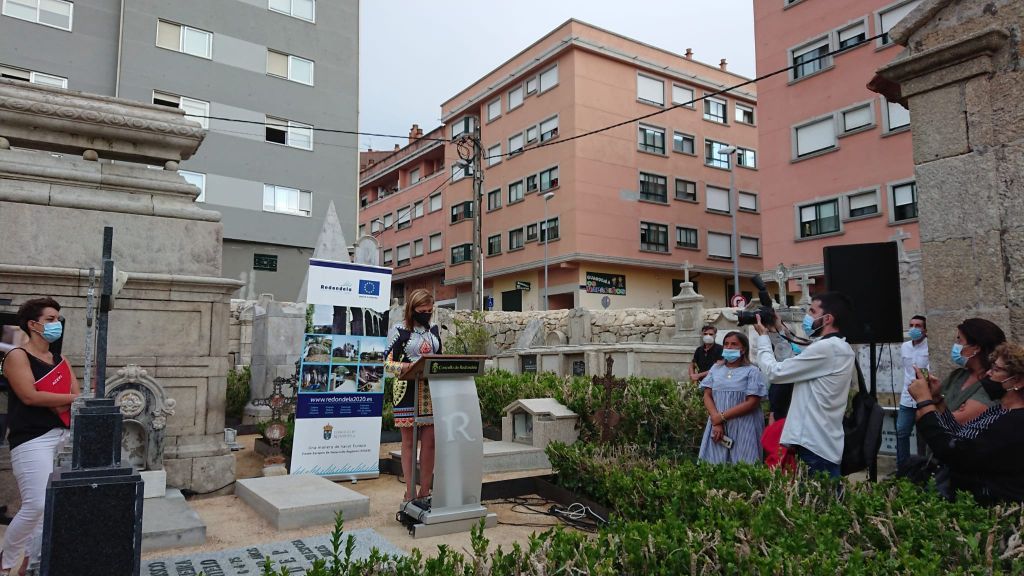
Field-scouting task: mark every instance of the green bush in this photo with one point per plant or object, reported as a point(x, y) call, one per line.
point(471, 336)
point(238, 391)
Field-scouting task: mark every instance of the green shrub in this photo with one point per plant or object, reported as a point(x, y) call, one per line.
point(238, 391)
point(471, 336)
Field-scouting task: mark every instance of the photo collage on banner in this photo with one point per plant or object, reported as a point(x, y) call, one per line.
point(341, 375)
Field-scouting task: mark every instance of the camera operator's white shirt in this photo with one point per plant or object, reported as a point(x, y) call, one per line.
point(821, 375)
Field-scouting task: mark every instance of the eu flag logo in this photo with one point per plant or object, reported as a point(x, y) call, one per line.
point(369, 288)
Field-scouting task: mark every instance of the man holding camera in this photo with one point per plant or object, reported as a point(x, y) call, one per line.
point(821, 377)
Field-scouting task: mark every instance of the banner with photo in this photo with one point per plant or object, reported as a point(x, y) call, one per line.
point(341, 371)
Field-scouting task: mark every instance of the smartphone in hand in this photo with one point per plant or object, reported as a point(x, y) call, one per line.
point(727, 442)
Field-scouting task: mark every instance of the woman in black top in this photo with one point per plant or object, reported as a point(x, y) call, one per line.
point(983, 455)
point(36, 426)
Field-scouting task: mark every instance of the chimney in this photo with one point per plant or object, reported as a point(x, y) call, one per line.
point(397, 147)
point(689, 54)
point(723, 64)
point(415, 132)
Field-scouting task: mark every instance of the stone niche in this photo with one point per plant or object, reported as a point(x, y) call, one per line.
point(79, 162)
point(145, 407)
point(538, 422)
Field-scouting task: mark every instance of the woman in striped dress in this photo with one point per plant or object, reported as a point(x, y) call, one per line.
point(733, 390)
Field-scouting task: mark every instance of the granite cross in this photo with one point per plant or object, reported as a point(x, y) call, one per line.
point(686, 271)
point(781, 276)
point(898, 238)
point(805, 283)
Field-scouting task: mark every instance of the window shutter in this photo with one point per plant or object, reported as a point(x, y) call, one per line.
point(718, 198)
point(856, 118)
point(814, 137)
point(650, 89)
point(719, 245)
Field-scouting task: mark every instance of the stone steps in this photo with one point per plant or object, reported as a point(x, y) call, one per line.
point(169, 522)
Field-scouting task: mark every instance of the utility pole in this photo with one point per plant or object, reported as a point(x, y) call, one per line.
point(478, 186)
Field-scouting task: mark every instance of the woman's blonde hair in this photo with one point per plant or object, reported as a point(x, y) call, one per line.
point(416, 298)
point(1013, 356)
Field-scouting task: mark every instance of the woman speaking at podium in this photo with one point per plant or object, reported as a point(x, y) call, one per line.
point(407, 341)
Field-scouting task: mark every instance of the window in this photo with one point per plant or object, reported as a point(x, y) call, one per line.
point(387, 256)
point(549, 129)
point(810, 58)
point(435, 242)
point(402, 255)
point(720, 245)
point(653, 187)
point(461, 170)
point(548, 79)
point(857, 118)
point(291, 67)
point(55, 13)
point(362, 230)
point(462, 211)
point(515, 192)
point(389, 220)
point(713, 154)
point(463, 126)
point(744, 114)
point(417, 209)
point(715, 110)
point(531, 232)
point(414, 175)
point(852, 35)
point(653, 237)
point(549, 230)
point(462, 253)
point(404, 217)
point(435, 202)
point(750, 246)
point(815, 136)
point(896, 116)
point(652, 139)
point(515, 239)
point(746, 157)
point(198, 108)
point(683, 143)
point(515, 97)
point(717, 199)
point(494, 199)
point(265, 262)
point(494, 155)
point(549, 179)
point(820, 218)
point(494, 109)
point(294, 134)
point(863, 204)
point(287, 200)
point(376, 226)
point(682, 95)
point(531, 85)
point(363, 201)
point(904, 201)
point(531, 183)
point(686, 237)
point(748, 201)
point(531, 134)
point(304, 9)
point(33, 77)
point(417, 247)
point(198, 180)
point(888, 18)
point(184, 39)
point(515, 145)
point(650, 90)
point(686, 190)
point(494, 245)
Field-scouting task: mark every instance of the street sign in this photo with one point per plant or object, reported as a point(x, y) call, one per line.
point(521, 285)
point(738, 301)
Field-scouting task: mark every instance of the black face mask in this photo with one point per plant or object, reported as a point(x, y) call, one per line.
point(422, 318)
point(994, 389)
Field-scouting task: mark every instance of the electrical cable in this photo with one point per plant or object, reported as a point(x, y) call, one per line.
point(576, 515)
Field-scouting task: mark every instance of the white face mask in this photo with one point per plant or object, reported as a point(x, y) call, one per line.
point(708, 339)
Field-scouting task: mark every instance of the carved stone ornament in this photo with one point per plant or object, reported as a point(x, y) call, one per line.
point(132, 403)
point(146, 407)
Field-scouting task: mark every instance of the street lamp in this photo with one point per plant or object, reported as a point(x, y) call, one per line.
point(547, 238)
point(734, 204)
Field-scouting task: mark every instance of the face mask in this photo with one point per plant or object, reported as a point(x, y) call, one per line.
point(954, 355)
point(52, 331)
point(709, 339)
point(422, 318)
point(995, 389)
point(731, 355)
point(809, 322)
point(796, 349)
point(916, 334)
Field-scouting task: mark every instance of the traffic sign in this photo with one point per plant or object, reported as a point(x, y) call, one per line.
point(738, 301)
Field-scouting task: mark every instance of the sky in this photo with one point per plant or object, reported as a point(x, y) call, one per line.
point(415, 54)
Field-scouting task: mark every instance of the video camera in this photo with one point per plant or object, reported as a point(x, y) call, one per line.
point(767, 311)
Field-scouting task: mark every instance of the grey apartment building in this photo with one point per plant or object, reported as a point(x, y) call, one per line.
point(283, 67)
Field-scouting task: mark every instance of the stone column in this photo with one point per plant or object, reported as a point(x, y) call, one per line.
point(963, 77)
point(277, 337)
point(689, 308)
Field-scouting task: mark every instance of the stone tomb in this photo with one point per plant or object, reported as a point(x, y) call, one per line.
point(297, 501)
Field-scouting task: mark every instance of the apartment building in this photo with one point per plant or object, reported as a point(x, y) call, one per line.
point(618, 211)
point(836, 158)
point(282, 67)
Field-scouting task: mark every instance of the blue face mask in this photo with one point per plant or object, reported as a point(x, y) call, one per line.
point(915, 334)
point(796, 349)
point(809, 325)
point(52, 331)
point(954, 355)
point(731, 355)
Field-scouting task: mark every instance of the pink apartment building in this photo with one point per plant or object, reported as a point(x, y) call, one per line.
point(625, 207)
point(836, 159)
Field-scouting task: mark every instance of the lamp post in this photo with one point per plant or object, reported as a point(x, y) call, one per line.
point(734, 204)
point(547, 238)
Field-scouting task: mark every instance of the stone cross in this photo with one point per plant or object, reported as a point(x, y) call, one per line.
point(898, 238)
point(686, 271)
point(781, 276)
point(805, 283)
